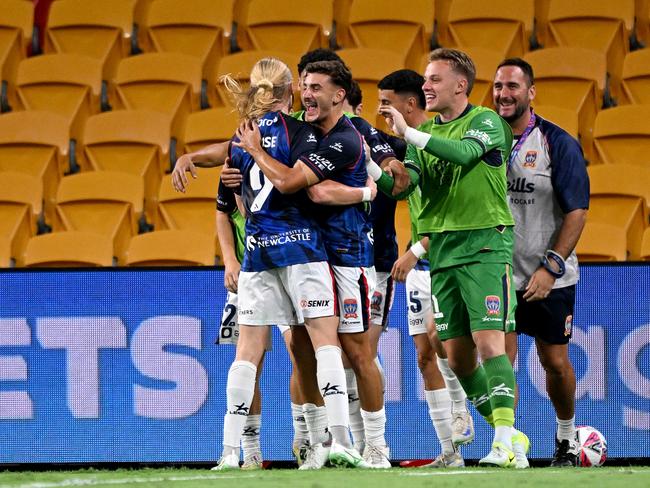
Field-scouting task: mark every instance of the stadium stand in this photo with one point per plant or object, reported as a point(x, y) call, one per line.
point(601, 242)
point(209, 127)
point(15, 38)
point(104, 202)
point(69, 249)
point(636, 78)
point(642, 16)
point(645, 245)
point(171, 248)
point(402, 225)
point(563, 117)
point(21, 197)
point(622, 135)
point(6, 261)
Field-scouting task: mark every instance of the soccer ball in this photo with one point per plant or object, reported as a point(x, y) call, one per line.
point(593, 447)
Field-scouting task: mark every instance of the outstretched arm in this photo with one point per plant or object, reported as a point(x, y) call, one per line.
point(330, 192)
point(208, 157)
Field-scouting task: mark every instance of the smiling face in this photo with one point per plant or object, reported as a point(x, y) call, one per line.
point(441, 86)
point(319, 96)
point(512, 93)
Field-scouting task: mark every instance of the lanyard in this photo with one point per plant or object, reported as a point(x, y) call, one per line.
point(522, 138)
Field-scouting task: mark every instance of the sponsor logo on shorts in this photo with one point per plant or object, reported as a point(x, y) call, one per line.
point(350, 307)
point(330, 389)
point(568, 324)
point(241, 409)
point(529, 159)
point(376, 301)
point(414, 322)
point(314, 303)
point(442, 326)
point(493, 304)
point(245, 311)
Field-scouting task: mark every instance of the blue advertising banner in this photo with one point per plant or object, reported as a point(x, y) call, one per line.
point(121, 366)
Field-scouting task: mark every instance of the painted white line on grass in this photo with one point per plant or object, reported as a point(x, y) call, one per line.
point(122, 481)
point(447, 473)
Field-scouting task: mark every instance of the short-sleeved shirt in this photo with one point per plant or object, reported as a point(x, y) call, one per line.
point(226, 203)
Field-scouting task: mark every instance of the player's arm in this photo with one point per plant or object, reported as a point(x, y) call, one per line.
point(409, 259)
point(226, 205)
point(207, 157)
point(331, 192)
point(386, 182)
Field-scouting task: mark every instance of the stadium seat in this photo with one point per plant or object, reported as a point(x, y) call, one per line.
point(171, 248)
point(636, 77)
point(622, 135)
point(645, 245)
point(199, 28)
point(602, 25)
point(130, 141)
point(163, 82)
point(571, 78)
point(69, 249)
point(642, 15)
point(289, 26)
point(6, 261)
point(501, 25)
point(36, 143)
point(342, 21)
point(402, 225)
point(209, 127)
point(388, 25)
point(193, 210)
point(368, 67)
point(21, 197)
point(601, 242)
point(104, 202)
point(16, 23)
point(541, 21)
point(620, 195)
point(565, 118)
point(68, 84)
point(91, 29)
point(441, 22)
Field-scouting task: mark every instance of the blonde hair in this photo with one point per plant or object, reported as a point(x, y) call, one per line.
point(459, 62)
point(270, 82)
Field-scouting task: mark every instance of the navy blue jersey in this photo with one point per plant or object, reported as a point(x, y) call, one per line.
point(278, 231)
point(346, 229)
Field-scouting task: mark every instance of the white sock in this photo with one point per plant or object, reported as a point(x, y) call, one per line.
point(316, 420)
point(440, 413)
point(239, 395)
point(354, 405)
point(375, 424)
point(566, 429)
point(503, 434)
point(381, 372)
point(331, 381)
point(456, 392)
point(300, 430)
point(250, 440)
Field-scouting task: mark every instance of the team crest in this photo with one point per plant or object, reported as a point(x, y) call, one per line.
point(529, 160)
point(493, 304)
point(350, 308)
point(568, 325)
point(375, 302)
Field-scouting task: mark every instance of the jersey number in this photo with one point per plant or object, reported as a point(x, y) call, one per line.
point(261, 185)
point(228, 321)
point(416, 304)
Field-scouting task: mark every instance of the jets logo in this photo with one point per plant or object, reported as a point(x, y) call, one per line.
point(250, 243)
point(240, 410)
point(502, 390)
point(330, 389)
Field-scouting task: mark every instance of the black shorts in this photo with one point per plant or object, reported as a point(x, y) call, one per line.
point(550, 319)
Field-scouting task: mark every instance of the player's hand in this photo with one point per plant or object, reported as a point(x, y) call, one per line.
point(403, 266)
point(250, 138)
point(539, 285)
point(400, 176)
point(179, 178)
point(231, 276)
point(370, 183)
point(394, 119)
point(231, 177)
point(367, 151)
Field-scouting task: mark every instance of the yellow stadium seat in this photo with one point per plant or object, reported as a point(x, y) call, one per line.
point(36, 143)
point(171, 248)
point(209, 127)
point(571, 78)
point(602, 25)
point(620, 195)
point(642, 15)
point(368, 67)
point(601, 242)
point(69, 250)
point(636, 77)
point(622, 135)
point(6, 260)
point(502, 25)
point(68, 84)
point(388, 25)
point(565, 118)
point(198, 28)
point(21, 197)
point(130, 141)
point(163, 82)
point(193, 210)
point(402, 225)
point(645, 245)
point(16, 24)
point(239, 66)
point(91, 29)
point(541, 21)
point(104, 202)
point(295, 27)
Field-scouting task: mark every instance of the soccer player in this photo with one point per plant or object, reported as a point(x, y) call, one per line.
point(346, 229)
point(549, 197)
point(445, 397)
point(459, 160)
point(285, 277)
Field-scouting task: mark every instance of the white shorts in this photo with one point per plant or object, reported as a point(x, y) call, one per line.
point(354, 288)
point(382, 299)
point(420, 301)
point(286, 296)
point(229, 328)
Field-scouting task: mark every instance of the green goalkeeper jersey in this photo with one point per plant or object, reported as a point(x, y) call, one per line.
point(238, 223)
